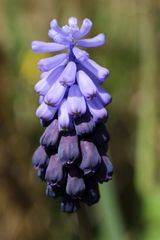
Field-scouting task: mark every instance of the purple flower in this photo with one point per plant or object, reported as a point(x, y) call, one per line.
point(75, 186)
point(72, 158)
point(76, 104)
point(68, 150)
point(47, 64)
point(54, 172)
point(51, 136)
point(90, 157)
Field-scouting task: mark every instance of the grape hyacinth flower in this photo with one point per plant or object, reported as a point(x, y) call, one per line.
point(71, 157)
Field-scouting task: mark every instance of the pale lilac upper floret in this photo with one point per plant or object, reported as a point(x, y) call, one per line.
point(70, 83)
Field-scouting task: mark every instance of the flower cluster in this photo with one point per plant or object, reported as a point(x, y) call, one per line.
point(72, 157)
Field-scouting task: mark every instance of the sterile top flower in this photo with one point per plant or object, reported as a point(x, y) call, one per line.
point(69, 37)
point(71, 157)
point(72, 77)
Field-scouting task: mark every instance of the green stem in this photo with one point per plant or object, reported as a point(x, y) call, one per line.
point(111, 225)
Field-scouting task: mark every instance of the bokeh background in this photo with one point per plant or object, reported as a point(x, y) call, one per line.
point(130, 205)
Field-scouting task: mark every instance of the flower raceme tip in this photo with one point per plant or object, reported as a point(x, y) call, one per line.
point(66, 69)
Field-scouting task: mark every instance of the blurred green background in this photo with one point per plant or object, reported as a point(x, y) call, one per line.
point(130, 205)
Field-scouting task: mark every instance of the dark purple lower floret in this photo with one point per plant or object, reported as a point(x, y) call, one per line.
point(40, 161)
point(41, 173)
point(84, 124)
point(100, 135)
point(91, 195)
point(109, 166)
point(68, 150)
point(52, 191)
point(75, 183)
point(50, 137)
point(39, 158)
point(54, 172)
point(105, 171)
point(101, 138)
point(69, 205)
point(90, 157)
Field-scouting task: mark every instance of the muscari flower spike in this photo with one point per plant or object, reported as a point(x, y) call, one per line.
point(71, 157)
